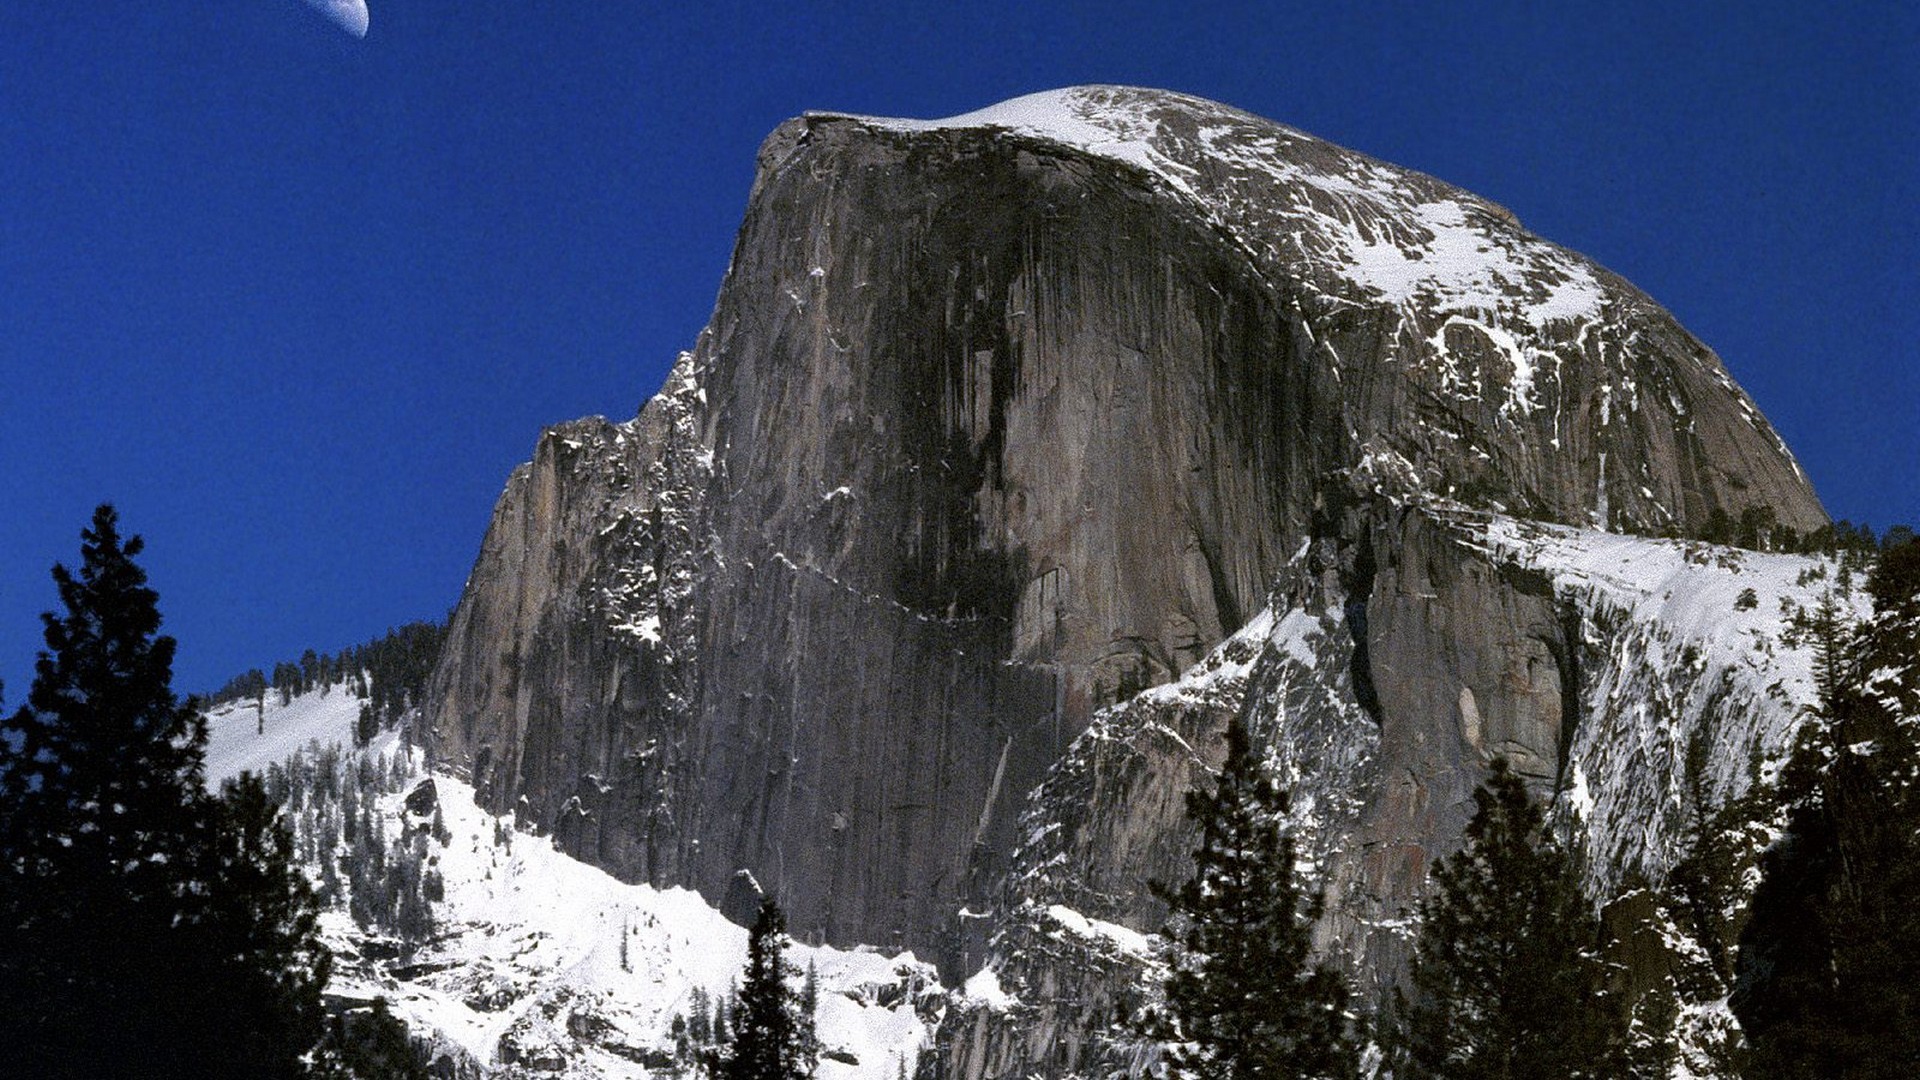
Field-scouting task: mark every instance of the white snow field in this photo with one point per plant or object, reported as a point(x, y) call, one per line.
point(525, 967)
point(243, 737)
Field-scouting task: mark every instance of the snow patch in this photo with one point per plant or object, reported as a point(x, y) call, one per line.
point(1392, 233)
point(1131, 942)
point(251, 734)
point(983, 989)
point(535, 950)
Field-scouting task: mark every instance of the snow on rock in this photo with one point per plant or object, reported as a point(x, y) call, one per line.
point(1225, 669)
point(1517, 352)
point(538, 961)
point(636, 596)
point(1393, 234)
point(1073, 952)
point(983, 990)
point(1694, 672)
point(1698, 678)
point(1107, 934)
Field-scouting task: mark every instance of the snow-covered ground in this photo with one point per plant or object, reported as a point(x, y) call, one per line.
point(1698, 677)
point(528, 949)
point(243, 736)
point(526, 965)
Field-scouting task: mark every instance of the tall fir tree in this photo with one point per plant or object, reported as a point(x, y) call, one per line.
point(99, 809)
point(1828, 976)
point(141, 920)
point(259, 932)
point(1244, 999)
point(772, 1037)
point(809, 1004)
point(1507, 980)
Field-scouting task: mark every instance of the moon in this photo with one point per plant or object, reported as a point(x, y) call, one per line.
point(348, 15)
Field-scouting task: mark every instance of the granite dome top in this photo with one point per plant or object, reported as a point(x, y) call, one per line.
point(1376, 232)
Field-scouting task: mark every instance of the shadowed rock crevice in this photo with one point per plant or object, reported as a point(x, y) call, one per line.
point(1359, 588)
point(1565, 649)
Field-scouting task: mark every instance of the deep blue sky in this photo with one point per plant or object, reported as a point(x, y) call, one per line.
point(298, 303)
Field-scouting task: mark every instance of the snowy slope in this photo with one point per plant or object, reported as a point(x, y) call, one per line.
point(525, 961)
point(242, 737)
point(1691, 689)
point(525, 969)
point(1695, 693)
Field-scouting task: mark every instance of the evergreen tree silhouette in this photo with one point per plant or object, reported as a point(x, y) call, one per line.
point(259, 934)
point(143, 923)
point(771, 1039)
point(1506, 977)
point(1243, 999)
point(1828, 973)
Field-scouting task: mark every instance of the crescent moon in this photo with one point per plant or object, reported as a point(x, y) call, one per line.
point(348, 15)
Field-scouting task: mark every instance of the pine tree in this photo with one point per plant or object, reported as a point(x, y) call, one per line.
point(259, 935)
point(367, 726)
point(699, 1017)
point(1828, 981)
point(683, 1054)
point(770, 1036)
point(1506, 977)
point(1243, 999)
point(99, 808)
point(142, 922)
point(809, 1010)
point(370, 1044)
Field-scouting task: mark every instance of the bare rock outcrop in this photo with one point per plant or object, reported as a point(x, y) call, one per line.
point(1003, 420)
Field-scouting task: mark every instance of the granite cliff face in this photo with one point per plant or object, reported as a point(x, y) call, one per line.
point(1625, 675)
point(1005, 421)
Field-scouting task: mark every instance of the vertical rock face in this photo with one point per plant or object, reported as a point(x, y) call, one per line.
point(1004, 420)
point(1621, 673)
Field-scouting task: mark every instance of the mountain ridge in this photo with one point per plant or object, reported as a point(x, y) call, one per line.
point(989, 434)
